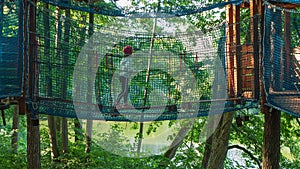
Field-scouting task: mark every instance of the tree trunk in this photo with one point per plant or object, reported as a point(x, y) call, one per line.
point(89, 124)
point(15, 128)
point(77, 125)
point(33, 129)
point(58, 128)
point(53, 137)
point(271, 148)
point(57, 120)
point(207, 151)
point(51, 119)
point(65, 62)
point(33, 144)
point(140, 138)
point(178, 140)
point(65, 141)
point(77, 130)
point(212, 121)
point(89, 127)
point(220, 140)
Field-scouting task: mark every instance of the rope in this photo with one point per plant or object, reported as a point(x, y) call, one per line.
point(147, 82)
point(165, 11)
point(149, 61)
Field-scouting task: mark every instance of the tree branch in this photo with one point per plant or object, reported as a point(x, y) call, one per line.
point(298, 121)
point(247, 152)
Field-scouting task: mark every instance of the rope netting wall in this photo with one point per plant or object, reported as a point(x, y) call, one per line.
point(11, 40)
point(281, 59)
point(175, 73)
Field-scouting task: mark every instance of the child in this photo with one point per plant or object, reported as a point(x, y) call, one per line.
point(125, 73)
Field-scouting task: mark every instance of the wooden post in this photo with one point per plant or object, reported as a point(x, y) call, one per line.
point(33, 130)
point(238, 49)
point(254, 9)
point(23, 35)
point(230, 56)
point(22, 72)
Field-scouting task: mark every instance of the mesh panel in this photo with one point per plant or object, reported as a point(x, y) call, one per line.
point(10, 49)
point(77, 79)
point(281, 60)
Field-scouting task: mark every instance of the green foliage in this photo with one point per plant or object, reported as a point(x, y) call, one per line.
point(9, 158)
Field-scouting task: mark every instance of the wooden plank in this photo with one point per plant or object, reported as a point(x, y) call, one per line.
point(229, 46)
point(238, 49)
point(254, 5)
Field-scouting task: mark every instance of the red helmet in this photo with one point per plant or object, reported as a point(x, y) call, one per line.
point(128, 50)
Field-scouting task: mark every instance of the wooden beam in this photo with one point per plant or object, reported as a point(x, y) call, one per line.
point(245, 4)
point(238, 49)
point(254, 11)
point(285, 5)
point(229, 48)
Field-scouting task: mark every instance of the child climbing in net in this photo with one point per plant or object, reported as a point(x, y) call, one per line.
point(125, 73)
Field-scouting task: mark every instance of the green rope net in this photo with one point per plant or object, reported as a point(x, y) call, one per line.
point(281, 59)
point(181, 69)
point(11, 53)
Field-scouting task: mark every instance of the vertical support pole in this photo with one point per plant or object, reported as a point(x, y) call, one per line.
point(23, 44)
point(254, 9)
point(33, 130)
point(230, 56)
point(287, 43)
point(271, 146)
point(238, 49)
